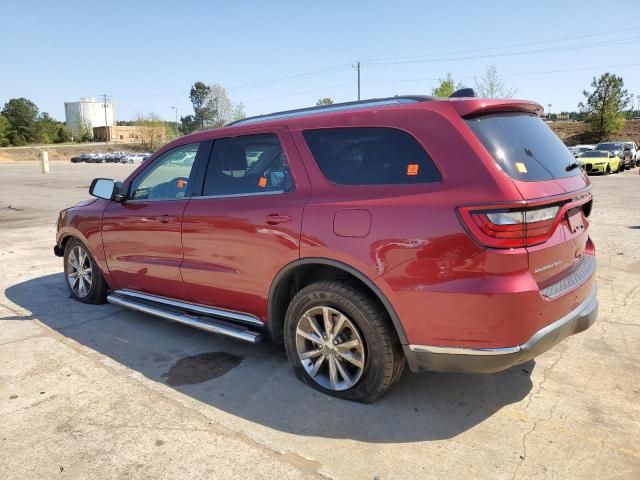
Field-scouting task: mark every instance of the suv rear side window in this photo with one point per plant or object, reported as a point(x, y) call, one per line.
point(524, 147)
point(370, 156)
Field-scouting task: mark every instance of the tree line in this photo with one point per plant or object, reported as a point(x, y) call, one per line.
point(21, 123)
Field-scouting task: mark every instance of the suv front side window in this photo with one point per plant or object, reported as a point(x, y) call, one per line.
point(167, 178)
point(245, 165)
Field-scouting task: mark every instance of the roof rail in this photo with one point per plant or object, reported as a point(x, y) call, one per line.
point(334, 108)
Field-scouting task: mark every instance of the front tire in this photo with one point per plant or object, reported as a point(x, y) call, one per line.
point(339, 341)
point(82, 275)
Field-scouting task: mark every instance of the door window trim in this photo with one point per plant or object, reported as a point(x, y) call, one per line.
point(238, 195)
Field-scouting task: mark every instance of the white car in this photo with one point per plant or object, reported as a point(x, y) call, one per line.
point(578, 150)
point(635, 152)
point(133, 158)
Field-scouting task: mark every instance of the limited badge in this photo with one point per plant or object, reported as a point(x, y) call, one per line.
point(262, 182)
point(412, 169)
point(522, 168)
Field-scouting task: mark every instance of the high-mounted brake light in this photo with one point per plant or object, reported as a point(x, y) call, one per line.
point(511, 227)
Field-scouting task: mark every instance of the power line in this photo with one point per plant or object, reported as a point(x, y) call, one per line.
point(265, 83)
point(299, 93)
point(516, 74)
point(344, 67)
point(620, 41)
point(329, 87)
point(300, 76)
point(515, 45)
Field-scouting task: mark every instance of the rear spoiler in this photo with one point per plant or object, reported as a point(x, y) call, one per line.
point(473, 107)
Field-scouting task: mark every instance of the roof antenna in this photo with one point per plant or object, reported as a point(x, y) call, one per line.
point(463, 92)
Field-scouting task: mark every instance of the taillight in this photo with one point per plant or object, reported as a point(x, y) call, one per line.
point(510, 227)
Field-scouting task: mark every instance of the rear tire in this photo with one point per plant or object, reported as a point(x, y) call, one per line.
point(82, 275)
point(355, 355)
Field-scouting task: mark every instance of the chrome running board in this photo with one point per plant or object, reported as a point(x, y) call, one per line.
point(192, 307)
point(209, 323)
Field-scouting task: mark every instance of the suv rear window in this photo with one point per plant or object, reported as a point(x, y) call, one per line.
point(523, 146)
point(370, 156)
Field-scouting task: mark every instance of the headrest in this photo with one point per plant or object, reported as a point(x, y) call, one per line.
point(233, 157)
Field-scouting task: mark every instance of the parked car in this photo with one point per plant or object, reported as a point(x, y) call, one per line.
point(578, 150)
point(132, 158)
point(601, 161)
point(114, 157)
point(80, 158)
point(353, 239)
point(617, 149)
point(631, 150)
point(96, 158)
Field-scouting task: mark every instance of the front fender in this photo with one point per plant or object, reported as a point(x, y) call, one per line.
point(85, 224)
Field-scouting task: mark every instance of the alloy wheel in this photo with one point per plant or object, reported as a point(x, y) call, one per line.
point(79, 273)
point(330, 348)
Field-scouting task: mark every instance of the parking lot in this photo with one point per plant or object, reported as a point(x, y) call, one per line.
point(103, 392)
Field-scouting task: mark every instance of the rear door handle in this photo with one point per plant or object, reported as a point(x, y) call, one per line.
point(275, 219)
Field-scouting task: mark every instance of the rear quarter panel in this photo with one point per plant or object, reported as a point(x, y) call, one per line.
point(416, 243)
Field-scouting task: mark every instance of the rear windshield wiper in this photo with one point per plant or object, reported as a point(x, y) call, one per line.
point(572, 166)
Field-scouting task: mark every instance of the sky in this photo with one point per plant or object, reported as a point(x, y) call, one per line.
point(278, 55)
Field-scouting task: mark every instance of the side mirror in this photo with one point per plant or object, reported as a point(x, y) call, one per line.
point(102, 188)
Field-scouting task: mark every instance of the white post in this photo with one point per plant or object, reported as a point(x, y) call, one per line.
point(44, 160)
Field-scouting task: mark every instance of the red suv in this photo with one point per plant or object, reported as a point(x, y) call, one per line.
point(450, 234)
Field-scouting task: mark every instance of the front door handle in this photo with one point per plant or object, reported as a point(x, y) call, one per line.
point(165, 218)
point(275, 219)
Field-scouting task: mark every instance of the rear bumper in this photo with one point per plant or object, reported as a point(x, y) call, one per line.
point(490, 360)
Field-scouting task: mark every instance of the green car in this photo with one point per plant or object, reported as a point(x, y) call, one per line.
point(600, 161)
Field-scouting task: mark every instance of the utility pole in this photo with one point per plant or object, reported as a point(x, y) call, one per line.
point(106, 125)
point(549, 112)
point(177, 130)
point(357, 67)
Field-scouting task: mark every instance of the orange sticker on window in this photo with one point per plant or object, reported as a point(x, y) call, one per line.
point(412, 169)
point(181, 183)
point(522, 168)
point(262, 182)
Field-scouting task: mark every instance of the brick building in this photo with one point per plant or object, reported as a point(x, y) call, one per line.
point(138, 134)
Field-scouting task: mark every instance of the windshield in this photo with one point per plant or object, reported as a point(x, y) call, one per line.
point(609, 146)
point(523, 146)
point(595, 154)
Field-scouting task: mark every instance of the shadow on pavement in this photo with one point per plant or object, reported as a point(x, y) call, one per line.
point(256, 383)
